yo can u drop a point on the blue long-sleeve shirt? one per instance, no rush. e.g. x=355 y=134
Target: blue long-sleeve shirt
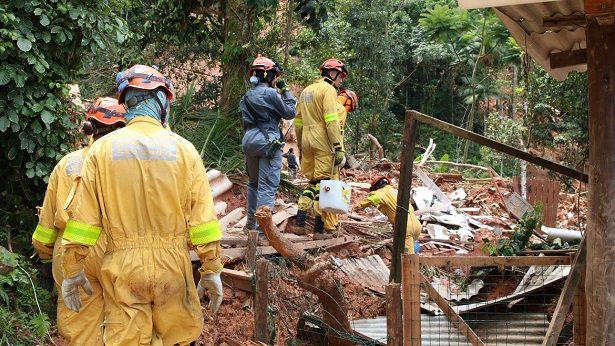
x=262 y=108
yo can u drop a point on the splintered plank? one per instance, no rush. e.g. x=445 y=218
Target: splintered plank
x=240 y=252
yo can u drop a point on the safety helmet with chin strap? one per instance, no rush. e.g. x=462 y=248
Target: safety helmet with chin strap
x=333 y=65
x=142 y=77
x=379 y=182
x=351 y=101
x=105 y=115
x=265 y=69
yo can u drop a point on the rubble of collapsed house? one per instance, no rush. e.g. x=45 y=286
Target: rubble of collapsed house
x=459 y=215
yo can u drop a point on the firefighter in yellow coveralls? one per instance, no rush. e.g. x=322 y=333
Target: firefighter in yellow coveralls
x=83 y=327
x=384 y=197
x=319 y=138
x=146 y=188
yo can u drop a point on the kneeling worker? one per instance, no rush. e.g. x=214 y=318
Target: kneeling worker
x=384 y=197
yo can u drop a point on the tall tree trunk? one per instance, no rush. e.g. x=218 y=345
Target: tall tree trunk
x=512 y=94
x=289 y=27
x=470 y=126
x=237 y=32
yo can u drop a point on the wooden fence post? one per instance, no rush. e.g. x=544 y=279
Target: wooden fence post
x=251 y=251
x=579 y=314
x=395 y=326
x=261 y=300
x=411 y=289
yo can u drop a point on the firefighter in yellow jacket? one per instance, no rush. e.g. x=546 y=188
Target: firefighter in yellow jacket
x=384 y=197
x=348 y=101
x=146 y=188
x=77 y=328
x=319 y=138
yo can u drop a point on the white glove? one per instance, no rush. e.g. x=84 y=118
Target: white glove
x=70 y=290
x=213 y=284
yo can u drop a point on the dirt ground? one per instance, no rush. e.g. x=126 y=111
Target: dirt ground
x=287 y=302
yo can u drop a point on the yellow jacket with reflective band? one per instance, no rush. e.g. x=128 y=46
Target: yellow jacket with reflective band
x=343 y=114
x=52 y=217
x=146 y=187
x=317 y=123
x=385 y=199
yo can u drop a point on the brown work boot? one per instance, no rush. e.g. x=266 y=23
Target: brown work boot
x=294 y=229
x=298 y=227
x=322 y=236
x=319 y=230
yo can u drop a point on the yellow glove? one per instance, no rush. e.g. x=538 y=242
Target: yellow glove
x=363 y=204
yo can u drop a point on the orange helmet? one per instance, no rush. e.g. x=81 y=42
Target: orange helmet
x=142 y=77
x=106 y=111
x=334 y=64
x=264 y=64
x=351 y=100
x=378 y=182
x=105 y=115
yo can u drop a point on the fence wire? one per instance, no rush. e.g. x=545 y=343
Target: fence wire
x=502 y=305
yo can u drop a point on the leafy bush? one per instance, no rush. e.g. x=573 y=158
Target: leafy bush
x=41 y=46
x=24 y=309
x=519 y=239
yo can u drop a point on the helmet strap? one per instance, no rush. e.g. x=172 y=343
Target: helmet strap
x=327 y=75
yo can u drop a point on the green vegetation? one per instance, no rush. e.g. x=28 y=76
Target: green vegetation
x=25 y=309
x=459 y=66
x=519 y=238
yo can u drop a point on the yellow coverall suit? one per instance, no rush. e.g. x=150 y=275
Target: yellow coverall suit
x=385 y=199
x=146 y=187
x=317 y=125
x=83 y=327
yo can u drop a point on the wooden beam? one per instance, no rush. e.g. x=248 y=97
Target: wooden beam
x=395 y=335
x=592 y=7
x=568 y=58
x=561 y=21
x=470 y=4
x=237 y=279
x=489 y=261
x=453 y=316
x=261 y=300
x=565 y=299
x=599 y=284
x=411 y=289
x=251 y=252
x=482 y=140
x=579 y=313
x=403 y=195
x=240 y=252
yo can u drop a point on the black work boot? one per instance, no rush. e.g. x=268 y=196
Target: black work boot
x=299 y=227
x=319 y=230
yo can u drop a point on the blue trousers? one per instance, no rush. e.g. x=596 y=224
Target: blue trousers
x=263 y=174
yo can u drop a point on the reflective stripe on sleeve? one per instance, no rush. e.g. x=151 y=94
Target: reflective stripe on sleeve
x=298 y=122
x=374 y=199
x=205 y=233
x=45 y=235
x=81 y=232
x=331 y=117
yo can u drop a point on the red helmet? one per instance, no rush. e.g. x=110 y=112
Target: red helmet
x=378 y=182
x=352 y=100
x=106 y=111
x=334 y=64
x=264 y=64
x=142 y=77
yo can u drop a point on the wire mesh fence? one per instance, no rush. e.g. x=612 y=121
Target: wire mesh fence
x=487 y=302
